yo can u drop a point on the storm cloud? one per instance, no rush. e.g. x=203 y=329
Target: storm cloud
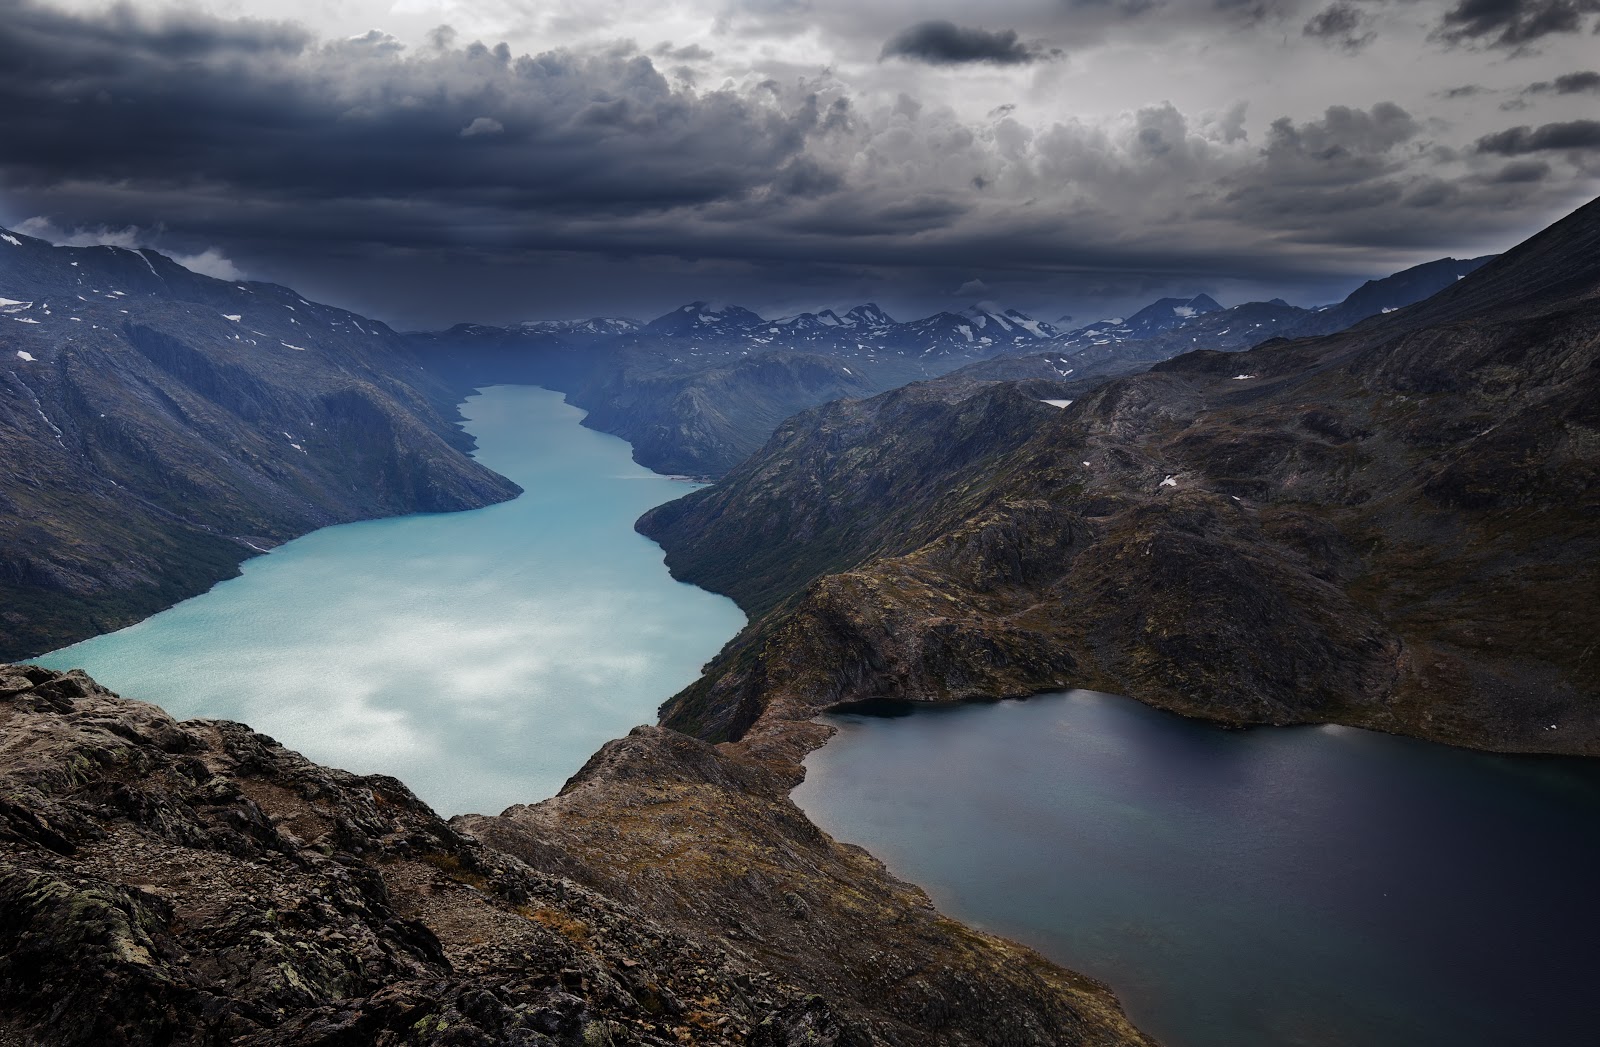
x=1572 y=134
x=437 y=178
x=1568 y=84
x=1513 y=23
x=945 y=43
x=1341 y=24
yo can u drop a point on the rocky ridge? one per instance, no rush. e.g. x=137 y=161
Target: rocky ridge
x=196 y=883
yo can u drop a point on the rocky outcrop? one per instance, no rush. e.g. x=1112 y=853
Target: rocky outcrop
x=842 y=483
x=159 y=426
x=196 y=883
x=706 y=839
x=1390 y=527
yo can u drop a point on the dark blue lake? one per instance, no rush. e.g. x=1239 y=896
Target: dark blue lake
x=1272 y=887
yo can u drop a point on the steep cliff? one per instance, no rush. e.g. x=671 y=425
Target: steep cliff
x=159 y=427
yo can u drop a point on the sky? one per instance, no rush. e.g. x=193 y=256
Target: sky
x=435 y=161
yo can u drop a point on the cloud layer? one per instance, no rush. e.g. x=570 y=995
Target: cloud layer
x=440 y=178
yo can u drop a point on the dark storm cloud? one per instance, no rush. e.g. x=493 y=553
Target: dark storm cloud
x=1340 y=24
x=262 y=108
x=1512 y=23
x=460 y=181
x=1573 y=134
x=1361 y=177
x=945 y=43
x=1569 y=84
x=1519 y=172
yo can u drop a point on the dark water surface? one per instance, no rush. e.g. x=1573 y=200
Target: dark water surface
x=1289 y=886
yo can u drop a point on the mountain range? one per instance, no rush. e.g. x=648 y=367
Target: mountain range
x=700 y=388
x=1391 y=527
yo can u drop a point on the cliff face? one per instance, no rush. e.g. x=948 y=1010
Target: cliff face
x=702 y=419
x=196 y=883
x=1390 y=527
x=158 y=426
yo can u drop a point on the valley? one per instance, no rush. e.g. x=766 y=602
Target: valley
x=799 y=523
x=1243 y=534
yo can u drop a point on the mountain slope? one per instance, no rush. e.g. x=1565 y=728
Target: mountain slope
x=1390 y=527
x=160 y=426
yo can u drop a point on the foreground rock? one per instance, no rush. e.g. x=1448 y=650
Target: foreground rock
x=706 y=839
x=196 y=883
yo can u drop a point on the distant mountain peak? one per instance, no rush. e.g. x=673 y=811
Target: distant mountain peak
x=869 y=315
x=594 y=325
x=704 y=318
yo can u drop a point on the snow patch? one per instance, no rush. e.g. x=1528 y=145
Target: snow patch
x=297 y=348
x=1057 y=403
x=11 y=305
x=235 y=317
x=1242 y=377
x=24 y=319
x=8 y=238
x=21 y=355
x=1168 y=482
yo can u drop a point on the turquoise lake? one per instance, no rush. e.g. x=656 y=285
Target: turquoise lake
x=480 y=657
x=1276 y=887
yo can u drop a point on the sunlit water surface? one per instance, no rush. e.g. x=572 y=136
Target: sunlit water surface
x=480 y=657
x=1264 y=888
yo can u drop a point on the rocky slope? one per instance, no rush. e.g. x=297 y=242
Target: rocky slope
x=703 y=420
x=159 y=426
x=1390 y=527
x=196 y=883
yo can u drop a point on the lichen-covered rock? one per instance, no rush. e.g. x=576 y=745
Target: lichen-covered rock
x=196 y=883
x=706 y=839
